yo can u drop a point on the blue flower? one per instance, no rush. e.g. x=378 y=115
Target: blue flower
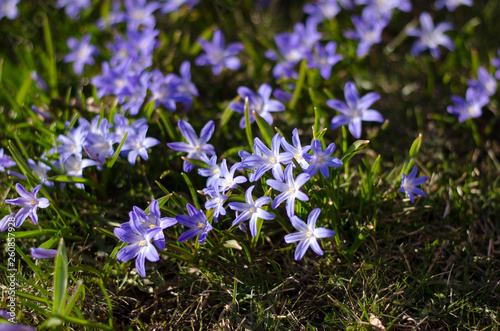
x=153 y=224
x=227 y=181
x=321 y=159
x=43 y=253
x=138 y=143
x=216 y=203
x=140 y=13
x=197 y=221
x=355 y=110
x=290 y=190
x=29 y=203
x=322 y=9
x=81 y=53
x=7 y=221
x=451 y=5
x=324 y=58
x=486 y=84
x=308 y=234
x=169 y=6
x=409 y=184
x=251 y=210
x=195 y=147
x=368 y=30
x=40 y=170
x=259 y=103
x=217 y=55
x=100 y=141
x=140 y=246
x=5 y=161
x=265 y=159
x=72 y=8
x=296 y=150
x=74 y=166
x=212 y=172
x=470 y=107
x=496 y=63
x=430 y=37
x=9 y=9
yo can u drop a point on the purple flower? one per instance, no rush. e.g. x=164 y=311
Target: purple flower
x=486 y=83
x=186 y=89
x=29 y=203
x=101 y=141
x=265 y=159
x=355 y=110
x=40 y=170
x=307 y=235
x=324 y=58
x=308 y=34
x=321 y=159
x=72 y=144
x=72 y=8
x=137 y=144
x=43 y=253
x=195 y=147
x=197 y=221
x=386 y=7
x=114 y=17
x=496 y=62
x=139 y=240
x=81 y=53
x=430 y=37
x=227 y=181
x=213 y=171
x=290 y=190
x=259 y=103
x=74 y=166
x=8 y=8
x=368 y=30
x=165 y=90
x=138 y=89
x=451 y=5
x=169 y=6
x=153 y=224
x=217 y=55
x=291 y=50
x=114 y=81
x=322 y=9
x=409 y=184
x=5 y=161
x=40 y=83
x=216 y=203
x=140 y=13
x=7 y=221
x=251 y=210
x=470 y=107
x=296 y=150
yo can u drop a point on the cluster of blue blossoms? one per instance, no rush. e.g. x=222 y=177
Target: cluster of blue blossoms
x=130 y=77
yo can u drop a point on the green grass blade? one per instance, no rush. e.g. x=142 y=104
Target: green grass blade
x=60 y=278
x=248 y=128
x=265 y=128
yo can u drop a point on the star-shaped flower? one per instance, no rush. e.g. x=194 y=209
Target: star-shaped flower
x=308 y=234
x=354 y=110
x=29 y=203
x=409 y=184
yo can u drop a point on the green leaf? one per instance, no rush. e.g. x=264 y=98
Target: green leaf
x=265 y=128
x=72 y=179
x=354 y=149
x=192 y=190
x=248 y=129
x=60 y=278
x=111 y=162
x=415 y=147
x=33 y=233
x=298 y=86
